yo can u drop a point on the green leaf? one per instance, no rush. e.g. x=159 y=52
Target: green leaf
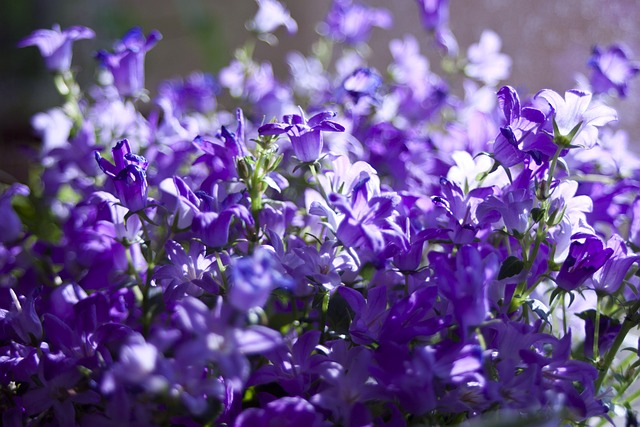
x=510 y=267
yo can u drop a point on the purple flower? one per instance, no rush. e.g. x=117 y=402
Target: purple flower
x=576 y=117
x=11 y=226
x=362 y=83
x=128 y=175
x=196 y=93
x=486 y=63
x=305 y=135
x=511 y=144
x=253 y=279
x=607 y=332
x=126 y=63
x=465 y=281
x=285 y=412
x=368 y=221
x=584 y=259
x=213 y=227
x=609 y=278
x=55 y=45
x=186 y=272
x=611 y=69
x=351 y=23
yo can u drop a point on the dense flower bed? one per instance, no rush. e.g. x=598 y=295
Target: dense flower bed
x=343 y=247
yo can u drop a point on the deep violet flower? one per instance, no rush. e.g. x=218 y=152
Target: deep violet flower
x=611 y=69
x=126 y=62
x=584 y=259
x=128 y=175
x=305 y=135
x=521 y=122
x=55 y=44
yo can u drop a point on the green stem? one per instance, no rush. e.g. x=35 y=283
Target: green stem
x=596 y=331
x=323 y=315
x=629 y=323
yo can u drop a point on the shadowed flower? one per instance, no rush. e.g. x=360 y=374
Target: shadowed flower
x=55 y=44
x=126 y=63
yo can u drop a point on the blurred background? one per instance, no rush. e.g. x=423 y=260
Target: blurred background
x=548 y=40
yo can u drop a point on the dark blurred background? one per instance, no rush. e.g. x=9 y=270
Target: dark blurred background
x=548 y=40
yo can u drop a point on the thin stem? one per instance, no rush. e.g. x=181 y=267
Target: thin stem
x=596 y=332
x=629 y=323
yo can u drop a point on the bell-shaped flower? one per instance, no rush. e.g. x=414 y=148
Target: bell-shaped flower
x=305 y=135
x=515 y=138
x=577 y=117
x=126 y=62
x=55 y=45
x=128 y=175
x=584 y=259
x=611 y=69
x=213 y=227
x=609 y=278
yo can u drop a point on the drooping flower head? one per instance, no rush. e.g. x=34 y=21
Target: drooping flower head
x=128 y=175
x=126 y=62
x=55 y=44
x=305 y=135
x=611 y=69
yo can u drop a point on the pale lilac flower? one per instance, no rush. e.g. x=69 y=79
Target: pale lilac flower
x=271 y=15
x=609 y=278
x=577 y=116
x=55 y=45
x=486 y=63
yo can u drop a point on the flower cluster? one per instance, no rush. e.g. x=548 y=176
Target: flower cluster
x=378 y=251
